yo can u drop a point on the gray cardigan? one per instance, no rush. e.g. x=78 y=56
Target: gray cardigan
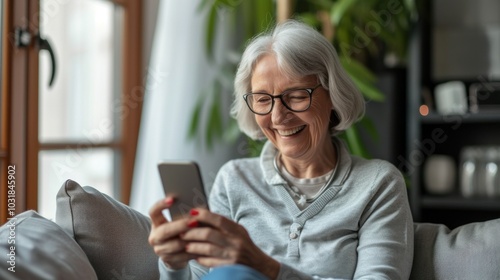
x=359 y=227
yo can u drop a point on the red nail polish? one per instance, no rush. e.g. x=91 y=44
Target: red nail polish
x=193 y=224
x=194 y=212
x=169 y=201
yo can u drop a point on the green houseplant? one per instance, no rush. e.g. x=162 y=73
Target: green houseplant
x=359 y=29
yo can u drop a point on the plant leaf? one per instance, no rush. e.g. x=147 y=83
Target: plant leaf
x=203 y=4
x=323 y=4
x=232 y=131
x=264 y=11
x=194 y=123
x=211 y=25
x=309 y=18
x=339 y=9
x=363 y=79
x=226 y=77
x=214 y=125
x=370 y=127
x=248 y=19
x=254 y=147
x=368 y=90
x=359 y=70
x=355 y=144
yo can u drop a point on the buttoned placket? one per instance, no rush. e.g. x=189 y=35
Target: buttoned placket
x=300 y=217
x=294 y=237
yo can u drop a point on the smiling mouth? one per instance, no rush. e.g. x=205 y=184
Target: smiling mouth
x=291 y=132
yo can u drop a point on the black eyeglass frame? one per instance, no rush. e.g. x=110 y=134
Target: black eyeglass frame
x=280 y=96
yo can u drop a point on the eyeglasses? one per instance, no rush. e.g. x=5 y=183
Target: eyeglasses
x=295 y=100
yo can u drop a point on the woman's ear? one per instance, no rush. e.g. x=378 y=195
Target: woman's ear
x=334 y=119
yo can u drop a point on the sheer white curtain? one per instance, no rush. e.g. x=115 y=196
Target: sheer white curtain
x=177 y=74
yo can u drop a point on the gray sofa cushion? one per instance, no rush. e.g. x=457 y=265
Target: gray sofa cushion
x=113 y=235
x=471 y=251
x=42 y=251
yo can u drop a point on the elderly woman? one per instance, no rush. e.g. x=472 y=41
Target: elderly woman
x=306 y=208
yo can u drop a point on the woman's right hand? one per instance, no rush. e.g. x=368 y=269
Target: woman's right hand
x=165 y=236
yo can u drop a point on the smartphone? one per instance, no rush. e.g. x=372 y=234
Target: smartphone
x=183 y=181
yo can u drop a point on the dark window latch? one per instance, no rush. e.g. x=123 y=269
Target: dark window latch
x=22 y=39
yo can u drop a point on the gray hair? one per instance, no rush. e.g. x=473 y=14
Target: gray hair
x=300 y=51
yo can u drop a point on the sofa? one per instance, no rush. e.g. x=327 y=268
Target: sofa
x=96 y=237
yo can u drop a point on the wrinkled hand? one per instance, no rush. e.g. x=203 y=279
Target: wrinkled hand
x=224 y=242
x=165 y=236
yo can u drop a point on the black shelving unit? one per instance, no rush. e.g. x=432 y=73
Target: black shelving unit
x=452 y=202
x=478 y=118
x=459 y=131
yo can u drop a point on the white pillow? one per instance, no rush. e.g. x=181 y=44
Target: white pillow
x=42 y=251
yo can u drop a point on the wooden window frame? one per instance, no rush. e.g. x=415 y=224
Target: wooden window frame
x=19 y=144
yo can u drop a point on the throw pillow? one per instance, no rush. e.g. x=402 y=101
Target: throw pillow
x=113 y=235
x=34 y=247
x=470 y=251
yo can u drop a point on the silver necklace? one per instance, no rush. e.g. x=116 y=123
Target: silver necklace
x=302 y=198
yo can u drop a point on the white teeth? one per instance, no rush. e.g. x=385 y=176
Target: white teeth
x=290 y=131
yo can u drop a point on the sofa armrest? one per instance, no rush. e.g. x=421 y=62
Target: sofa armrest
x=33 y=247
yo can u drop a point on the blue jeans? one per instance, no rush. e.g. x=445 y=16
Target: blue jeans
x=234 y=272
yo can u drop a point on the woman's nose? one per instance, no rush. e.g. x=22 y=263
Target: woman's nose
x=279 y=112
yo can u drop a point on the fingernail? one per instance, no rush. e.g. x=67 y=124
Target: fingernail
x=186 y=247
x=169 y=201
x=194 y=212
x=193 y=224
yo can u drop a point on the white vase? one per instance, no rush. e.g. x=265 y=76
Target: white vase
x=439 y=174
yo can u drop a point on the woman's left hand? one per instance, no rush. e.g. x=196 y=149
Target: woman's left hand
x=220 y=241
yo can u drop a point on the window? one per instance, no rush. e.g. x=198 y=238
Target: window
x=84 y=127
